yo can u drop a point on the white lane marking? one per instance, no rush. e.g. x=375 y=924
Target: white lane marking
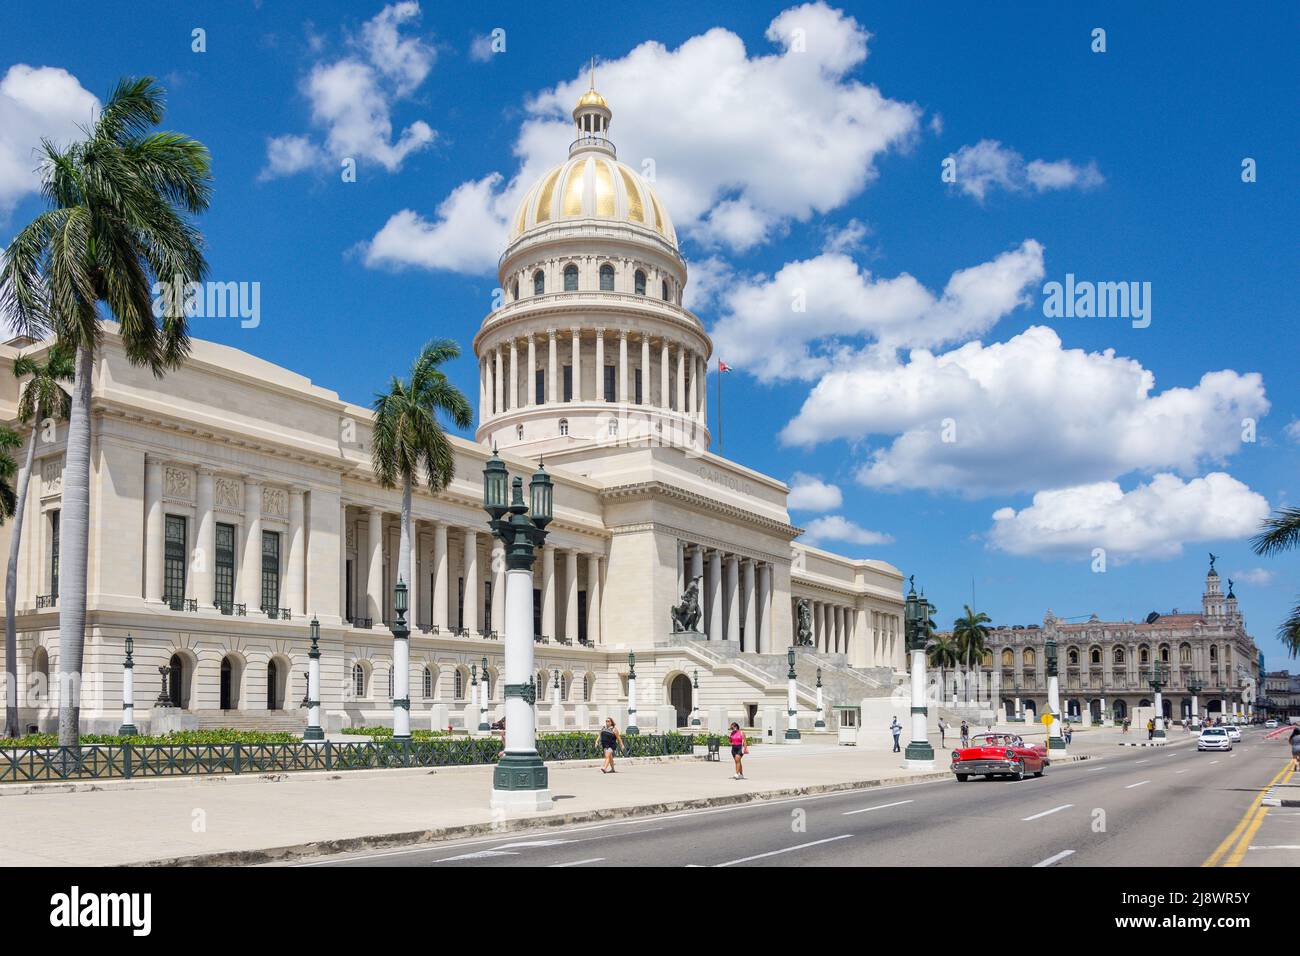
x=1053 y=860
x=594 y=859
x=1064 y=806
x=476 y=855
x=880 y=806
x=1281 y=847
x=1143 y=760
x=790 y=849
x=1213 y=762
x=1180 y=771
x=1096 y=768
x=1230 y=756
x=532 y=843
x=1138 y=784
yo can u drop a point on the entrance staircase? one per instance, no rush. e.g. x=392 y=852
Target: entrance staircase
x=264 y=721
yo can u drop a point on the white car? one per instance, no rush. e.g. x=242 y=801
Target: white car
x=1214 y=738
x=1270 y=723
x=1234 y=732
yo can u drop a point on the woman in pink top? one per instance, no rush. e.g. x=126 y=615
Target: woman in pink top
x=738 y=749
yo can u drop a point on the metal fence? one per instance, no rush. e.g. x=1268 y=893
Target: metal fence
x=133 y=761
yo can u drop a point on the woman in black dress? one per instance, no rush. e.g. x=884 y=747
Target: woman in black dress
x=609 y=740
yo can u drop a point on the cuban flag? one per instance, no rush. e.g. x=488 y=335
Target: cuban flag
x=723 y=366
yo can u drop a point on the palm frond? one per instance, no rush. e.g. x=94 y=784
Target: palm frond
x=1279 y=532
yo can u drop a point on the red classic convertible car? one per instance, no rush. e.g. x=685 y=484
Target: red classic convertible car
x=999 y=755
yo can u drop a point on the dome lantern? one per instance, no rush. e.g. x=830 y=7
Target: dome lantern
x=591 y=115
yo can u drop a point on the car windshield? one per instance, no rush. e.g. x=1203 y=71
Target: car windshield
x=1213 y=732
x=996 y=740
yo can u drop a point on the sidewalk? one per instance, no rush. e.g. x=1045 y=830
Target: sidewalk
x=255 y=820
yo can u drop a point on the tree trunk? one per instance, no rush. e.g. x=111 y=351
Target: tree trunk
x=11 y=587
x=404 y=542
x=74 y=534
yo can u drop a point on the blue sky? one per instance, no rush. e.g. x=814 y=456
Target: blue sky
x=1115 y=166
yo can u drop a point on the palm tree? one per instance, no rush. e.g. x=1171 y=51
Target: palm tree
x=971 y=632
x=117 y=220
x=41 y=397
x=1281 y=532
x=943 y=652
x=408 y=438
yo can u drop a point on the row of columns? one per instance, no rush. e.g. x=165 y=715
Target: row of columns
x=735 y=595
x=431 y=559
x=201 y=548
x=833 y=626
x=681 y=373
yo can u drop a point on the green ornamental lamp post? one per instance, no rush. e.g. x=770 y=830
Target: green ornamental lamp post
x=1158 y=678
x=917 y=612
x=401 y=665
x=821 y=720
x=471 y=718
x=695 y=698
x=631 y=729
x=520 y=780
x=485 y=691
x=313 y=731
x=1055 y=742
x=128 y=692
x=1194 y=686
x=791 y=710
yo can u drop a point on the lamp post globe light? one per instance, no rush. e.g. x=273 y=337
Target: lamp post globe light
x=520 y=780
x=128 y=692
x=632 y=729
x=1159 y=679
x=401 y=666
x=485 y=690
x=313 y=731
x=695 y=698
x=1055 y=742
x=1194 y=686
x=791 y=711
x=917 y=613
x=821 y=720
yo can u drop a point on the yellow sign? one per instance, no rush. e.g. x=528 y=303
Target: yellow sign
x=1047 y=718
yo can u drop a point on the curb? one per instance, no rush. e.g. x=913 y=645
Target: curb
x=378 y=841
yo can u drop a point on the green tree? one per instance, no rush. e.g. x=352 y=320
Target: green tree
x=409 y=441
x=1281 y=532
x=42 y=397
x=971 y=632
x=117 y=221
x=942 y=652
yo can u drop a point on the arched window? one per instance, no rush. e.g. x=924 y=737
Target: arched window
x=519 y=431
x=665 y=289
x=564 y=426
x=1008 y=658
x=606 y=278
x=1094 y=656
x=1184 y=653
x=613 y=426
x=459 y=690
x=1214 y=654
x=1144 y=654
x=586 y=687
x=514 y=290
x=1072 y=657
x=1119 y=655
x=358 y=681
x=639 y=280
x=565 y=681
x=543 y=685
x=428 y=684
x=486 y=681
x=1164 y=653
x=570 y=278
x=1029 y=657
x=539 y=282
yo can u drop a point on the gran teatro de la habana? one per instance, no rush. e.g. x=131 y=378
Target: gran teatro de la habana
x=233 y=501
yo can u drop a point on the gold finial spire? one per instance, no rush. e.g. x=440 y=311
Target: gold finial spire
x=593 y=73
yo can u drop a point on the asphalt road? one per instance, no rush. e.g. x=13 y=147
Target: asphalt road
x=1167 y=806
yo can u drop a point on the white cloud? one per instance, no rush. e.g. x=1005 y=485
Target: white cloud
x=1153 y=520
x=480 y=49
x=1022 y=415
x=1292 y=430
x=839 y=528
x=708 y=278
x=1257 y=577
x=988 y=165
x=35 y=103
x=457 y=239
x=352 y=100
x=846 y=239
x=800 y=322
x=740 y=144
x=810 y=493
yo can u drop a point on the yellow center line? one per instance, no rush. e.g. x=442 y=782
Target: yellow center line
x=1246 y=821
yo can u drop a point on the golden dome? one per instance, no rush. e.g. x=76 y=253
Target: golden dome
x=591 y=98
x=591 y=185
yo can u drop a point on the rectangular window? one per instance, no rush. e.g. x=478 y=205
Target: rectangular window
x=174 y=562
x=637 y=377
x=582 y=617
x=224 y=591
x=460 y=602
x=348 y=599
x=270 y=571
x=537 y=611
x=54 y=553
x=487 y=607
x=609 y=383
x=568 y=383
x=539 y=386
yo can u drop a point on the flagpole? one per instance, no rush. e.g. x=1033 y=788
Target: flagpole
x=719 y=373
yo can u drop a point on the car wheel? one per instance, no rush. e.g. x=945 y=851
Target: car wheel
x=961 y=777
x=1038 y=772
x=1019 y=772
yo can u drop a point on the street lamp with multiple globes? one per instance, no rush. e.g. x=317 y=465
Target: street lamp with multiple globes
x=1194 y=686
x=520 y=780
x=401 y=665
x=1158 y=678
x=128 y=728
x=1055 y=742
x=791 y=708
x=918 y=614
x=631 y=729
x=314 y=731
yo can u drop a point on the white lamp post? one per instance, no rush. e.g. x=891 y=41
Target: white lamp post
x=520 y=781
x=128 y=692
x=631 y=728
x=485 y=691
x=821 y=720
x=791 y=711
x=695 y=698
x=401 y=666
x=557 y=706
x=313 y=731
x=917 y=614
x=470 y=718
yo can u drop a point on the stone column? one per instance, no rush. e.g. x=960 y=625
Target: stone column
x=548 y=592
x=512 y=400
x=250 y=582
x=693 y=399
x=764 y=643
x=375 y=566
x=702 y=412
x=571 y=595
x=622 y=365
x=153 y=530
x=413 y=588
x=681 y=378
x=295 y=577
x=343 y=562
x=530 y=389
x=681 y=567
x=482 y=388
x=593 y=598
x=664 y=400
x=751 y=611
x=499 y=391
x=575 y=360
x=732 y=632
x=203 y=568
x=600 y=365
x=715 y=596
x=439 y=602
x=838 y=611
x=471 y=580
x=498 y=558
x=553 y=370
x=645 y=369
x=697 y=567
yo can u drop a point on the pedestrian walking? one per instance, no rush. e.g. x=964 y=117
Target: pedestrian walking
x=943 y=729
x=1151 y=729
x=1295 y=749
x=610 y=739
x=738 y=750
x=895 y=728
x=965 y=734
x=1068 y=733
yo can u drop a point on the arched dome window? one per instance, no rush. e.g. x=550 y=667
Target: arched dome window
x=358 y=680
x=606 y=278
x=1119 y=655
x=640 y=282
x=570 y=278
x=665 y=290
x=564 y=426
x=514 y=290
x=539 y=282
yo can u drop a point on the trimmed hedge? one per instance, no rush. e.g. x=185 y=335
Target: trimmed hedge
x=176 y=737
